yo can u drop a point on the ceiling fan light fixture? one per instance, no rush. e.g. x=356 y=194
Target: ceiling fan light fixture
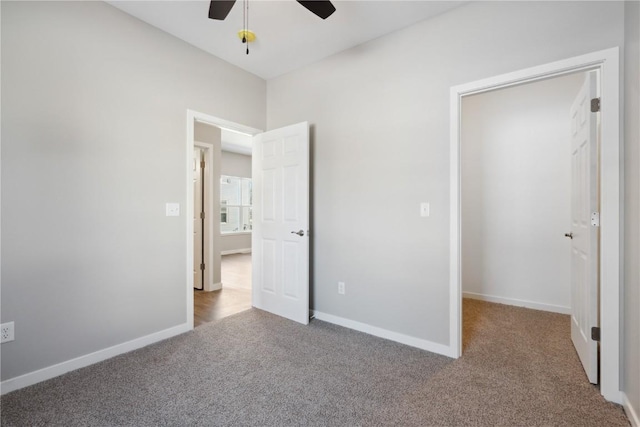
x=246 y=36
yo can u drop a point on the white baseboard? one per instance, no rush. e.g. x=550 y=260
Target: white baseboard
x=213 y=287
x=236 y=251
x=519 y=303
x=386 y=334
x=631 y=412
x=88 y=359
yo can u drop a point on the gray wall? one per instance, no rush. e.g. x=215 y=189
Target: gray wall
x=93 y=145
x=631 y=293
x=234 y=164
x=516 y=191
x=380 y=118
x=235 y=243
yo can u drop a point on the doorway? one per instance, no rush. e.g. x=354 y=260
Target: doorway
x=280 y=235
x=205 y=132
x=524 y=210
x=606 y=62
x=516 y=194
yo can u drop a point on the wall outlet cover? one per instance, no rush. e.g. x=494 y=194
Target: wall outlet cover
x=341 y=288
x=7 y=332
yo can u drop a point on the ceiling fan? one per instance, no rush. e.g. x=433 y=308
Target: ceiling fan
x=219 y=9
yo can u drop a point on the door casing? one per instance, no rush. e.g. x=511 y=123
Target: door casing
x=607 y=62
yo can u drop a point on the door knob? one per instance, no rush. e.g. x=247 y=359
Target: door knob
x=569 y=235
x=299 y=233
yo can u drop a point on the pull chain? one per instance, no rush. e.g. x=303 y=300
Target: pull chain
x=247 y=36
x=247 y=26
x=244 y=21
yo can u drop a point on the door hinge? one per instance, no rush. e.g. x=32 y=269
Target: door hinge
x=595 y=219
x=201 y=215
x=202 y=267
x=595 y=105
x=595 y=333
x=202 y=164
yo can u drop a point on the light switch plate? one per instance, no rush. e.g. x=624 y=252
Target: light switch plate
x=173 y=209
x=424 y=209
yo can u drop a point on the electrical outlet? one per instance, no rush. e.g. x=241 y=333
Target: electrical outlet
x=341 y=288
x=6 y=332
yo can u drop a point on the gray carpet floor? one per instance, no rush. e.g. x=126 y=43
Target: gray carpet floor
x=256 y=369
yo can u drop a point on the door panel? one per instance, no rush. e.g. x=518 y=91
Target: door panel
x=290 y=263
x=281 y=210
x=584 y=243
x=268 y=258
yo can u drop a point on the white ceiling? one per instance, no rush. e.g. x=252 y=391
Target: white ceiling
x=288 y=35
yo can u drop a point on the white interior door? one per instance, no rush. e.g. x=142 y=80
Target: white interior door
x=197 y=221
x=280 y=236
x=584 y=235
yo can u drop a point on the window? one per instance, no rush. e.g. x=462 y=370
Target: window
x=235 y=204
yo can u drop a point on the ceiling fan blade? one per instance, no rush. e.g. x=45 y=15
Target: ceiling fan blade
x=219 y=9
x=323 y=9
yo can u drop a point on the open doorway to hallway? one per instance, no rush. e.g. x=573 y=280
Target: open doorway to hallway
x=222 y=218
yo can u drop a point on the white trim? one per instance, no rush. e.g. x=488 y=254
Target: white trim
x=236 y=251
x=224 y=124
x=608 y=62
x=630 y=411
x=386 y=334
x=610 y=238
x=89 y=359
x=455 y=273
x=189 y=215
x=518 y=303
x=192 y=117
x=210 y=287
x=236 y=233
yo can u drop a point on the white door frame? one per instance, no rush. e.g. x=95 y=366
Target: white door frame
x=192 y=117
x=607 y=61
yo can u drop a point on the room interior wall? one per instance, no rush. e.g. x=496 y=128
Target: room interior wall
x=94 y=107
x=631 y=292
x=516 y=193
x=380 y=119
x=235 y=164
x=236 y=243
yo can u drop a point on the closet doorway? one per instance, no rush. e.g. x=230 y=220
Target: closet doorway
x=607 y=220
